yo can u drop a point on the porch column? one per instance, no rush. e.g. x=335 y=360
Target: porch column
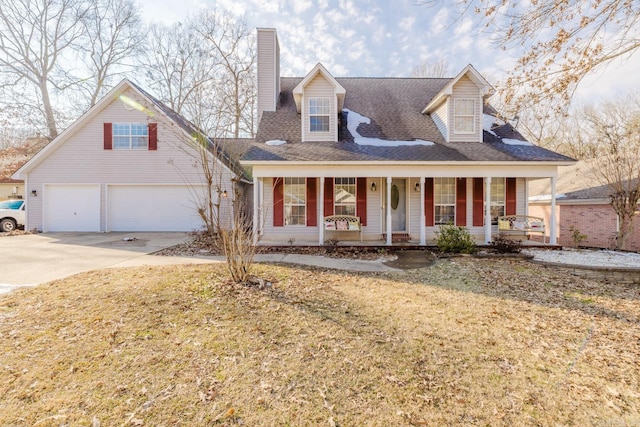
x=553 y=238
x=256 y=209
x=321 y=213
x=487 y=210
x=389 y=211
x=423 y=227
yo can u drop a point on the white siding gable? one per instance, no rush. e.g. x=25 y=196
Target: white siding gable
x=441 y=118
x=465 y=89
x=80 y=158
x=320 y=87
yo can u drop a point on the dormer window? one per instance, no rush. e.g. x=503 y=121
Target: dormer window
x=464 y=116
x=319 y=114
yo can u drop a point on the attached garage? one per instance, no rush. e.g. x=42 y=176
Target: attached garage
x=71 y=207
x=153 y=208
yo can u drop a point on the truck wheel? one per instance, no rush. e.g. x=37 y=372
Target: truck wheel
x=7 y=225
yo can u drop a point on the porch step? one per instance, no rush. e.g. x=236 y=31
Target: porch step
x=397 y=237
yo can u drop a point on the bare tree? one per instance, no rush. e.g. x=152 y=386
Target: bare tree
x=438 y=68
x=113 y=34
x=233 y=49
x=51 y=48
x=615 y=142
x=179 y=68
x=562 y=41
x=33 y=37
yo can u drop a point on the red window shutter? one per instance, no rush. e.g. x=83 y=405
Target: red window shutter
x=312 y=202
x=429 y=211
x=461 y=201
x=108 y=136
x=510 y=197
x=478 y=202
x=153 y=136
x=328 y=196
x=278 y=202
x=361 y=200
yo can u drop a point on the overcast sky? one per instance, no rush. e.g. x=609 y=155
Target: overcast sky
x=386 y=38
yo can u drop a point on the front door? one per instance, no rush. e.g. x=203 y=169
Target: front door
x=398 y=206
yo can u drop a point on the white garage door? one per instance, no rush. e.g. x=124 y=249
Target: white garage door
x=72 y=207
x=152 y=208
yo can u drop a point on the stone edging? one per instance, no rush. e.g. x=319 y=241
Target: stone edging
x=608 y=274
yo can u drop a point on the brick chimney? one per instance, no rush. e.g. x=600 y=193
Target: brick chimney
x=268 y=70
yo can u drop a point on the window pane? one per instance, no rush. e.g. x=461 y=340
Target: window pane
x=121 y=142
x=319 y=123
x=444 y=200
x=463 y=124
x=445 y=214
x=138 y=142
x=464 y=107
x=464 y=115
x=498 y=198
x=121 y=129
x=319 y=106
x=344 y=196
x=295 y=193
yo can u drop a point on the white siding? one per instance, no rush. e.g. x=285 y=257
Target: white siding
x=320 y=87
x=268 y=70
x=521 y=198
x=413 y=210
x=441 y=119
x=465 y=89
x=81 y=158
x=373 y=229
x=282 y=235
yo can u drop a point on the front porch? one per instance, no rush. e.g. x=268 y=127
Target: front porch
x=302 y=210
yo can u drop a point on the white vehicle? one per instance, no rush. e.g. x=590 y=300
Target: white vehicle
x=11 y=215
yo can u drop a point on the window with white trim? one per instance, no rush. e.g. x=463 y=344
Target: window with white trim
x=464 y=116
x=295 y=201
x=319 y=114
x=444 y=197
x=344 y=196
x=498 y=198
x=130 y=136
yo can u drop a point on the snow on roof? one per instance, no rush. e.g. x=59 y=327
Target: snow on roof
x=275 y=142
x=354 y=120
x=489 y=122
x=511 y=141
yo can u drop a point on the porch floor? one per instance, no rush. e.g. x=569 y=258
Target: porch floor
x=412 y=244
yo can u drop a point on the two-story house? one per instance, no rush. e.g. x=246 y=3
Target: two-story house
x=403 y=155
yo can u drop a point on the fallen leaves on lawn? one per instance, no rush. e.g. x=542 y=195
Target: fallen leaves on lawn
x=463 y=342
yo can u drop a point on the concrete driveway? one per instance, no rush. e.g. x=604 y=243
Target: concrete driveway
x=32 y=259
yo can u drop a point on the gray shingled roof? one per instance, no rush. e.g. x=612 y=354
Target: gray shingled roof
x=228 y=150
x=394 y=106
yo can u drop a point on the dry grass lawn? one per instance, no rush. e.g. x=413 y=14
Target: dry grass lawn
x=465 y=342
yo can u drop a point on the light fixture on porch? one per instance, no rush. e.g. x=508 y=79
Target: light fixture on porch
x=224 y=194
x=373 y=186
x=34 y=193
x=416 y=187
